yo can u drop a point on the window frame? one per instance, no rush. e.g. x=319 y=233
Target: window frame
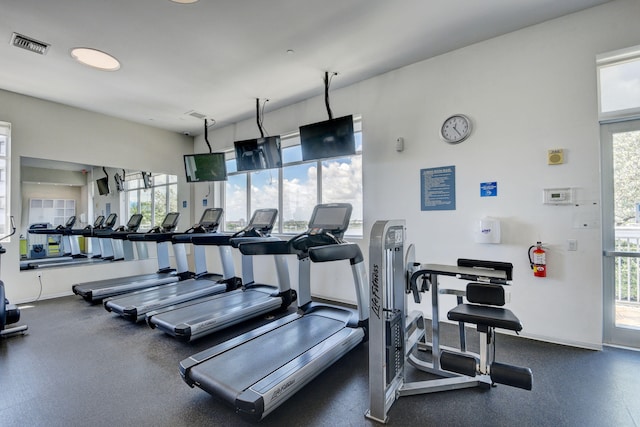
x=135 y=184
x=5 y=208
x=612 y=59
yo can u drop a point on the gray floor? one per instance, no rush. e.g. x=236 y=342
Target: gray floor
x=82 y=366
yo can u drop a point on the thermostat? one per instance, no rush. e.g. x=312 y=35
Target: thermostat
x=557 y=196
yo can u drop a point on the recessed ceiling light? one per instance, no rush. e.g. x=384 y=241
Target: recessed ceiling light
x=184 y=1
x=95 y=58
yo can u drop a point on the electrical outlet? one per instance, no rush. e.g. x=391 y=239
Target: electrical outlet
x=572 y=244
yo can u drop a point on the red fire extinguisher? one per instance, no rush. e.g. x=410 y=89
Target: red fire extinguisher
x=538 y=260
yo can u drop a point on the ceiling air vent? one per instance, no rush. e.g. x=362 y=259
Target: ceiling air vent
x=195 y=114
x=27 y=43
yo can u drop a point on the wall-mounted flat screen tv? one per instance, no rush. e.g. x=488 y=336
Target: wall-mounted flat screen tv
x=103 y=186
x=331 y=138
x=119 y=182
x=205 y=167
x=260 y=153
x=146 y=179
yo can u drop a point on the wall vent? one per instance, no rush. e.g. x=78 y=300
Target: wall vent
x=27 y=43
x=197 y=115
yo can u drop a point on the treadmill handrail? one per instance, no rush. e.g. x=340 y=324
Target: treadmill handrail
x=267 y=248
x=298 y=245
x=158 y=237
x=213 y=239
x=188 y=237
x=237 y=241
x=340 y=251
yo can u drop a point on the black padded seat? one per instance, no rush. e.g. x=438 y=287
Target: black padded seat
x=494 y=317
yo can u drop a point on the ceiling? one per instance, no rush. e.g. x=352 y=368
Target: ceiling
x=215 y=57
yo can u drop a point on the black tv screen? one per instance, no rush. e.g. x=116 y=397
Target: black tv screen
x=205 y=167
x=119 y=182
x=146 y=179
x=331 y=138
x=260 y=153
x=103 y=186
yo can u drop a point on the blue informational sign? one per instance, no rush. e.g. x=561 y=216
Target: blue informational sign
x=204 y=202
x=438 y=189
x=488 y=189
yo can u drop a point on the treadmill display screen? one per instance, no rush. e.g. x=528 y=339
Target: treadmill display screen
x=111 y=220
x=134 y=221
x=170 y=221
x=333 y=216
x=210 y=217
x=98 y=222
x=70 y=221
x=264 y=218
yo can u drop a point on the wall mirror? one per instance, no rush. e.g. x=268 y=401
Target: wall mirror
x=53 y=192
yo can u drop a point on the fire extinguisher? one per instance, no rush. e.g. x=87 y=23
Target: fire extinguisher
x=538 y=260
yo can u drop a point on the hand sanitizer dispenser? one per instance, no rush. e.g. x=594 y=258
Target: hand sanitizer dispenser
x=488 y=230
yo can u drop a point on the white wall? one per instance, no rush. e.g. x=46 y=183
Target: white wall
x=48 y=130
x=527 y=92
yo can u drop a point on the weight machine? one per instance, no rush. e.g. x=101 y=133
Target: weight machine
x=395 y=337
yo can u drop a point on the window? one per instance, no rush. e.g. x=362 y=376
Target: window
x=154 y=202
x=619 y=84
x=296 y=187
x=5 y=137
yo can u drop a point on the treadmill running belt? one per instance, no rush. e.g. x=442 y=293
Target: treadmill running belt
x=220 y=307
x=232 y=372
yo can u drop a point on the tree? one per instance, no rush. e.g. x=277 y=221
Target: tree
x=626 y=173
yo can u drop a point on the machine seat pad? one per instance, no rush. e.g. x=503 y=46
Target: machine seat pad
x=495 y=317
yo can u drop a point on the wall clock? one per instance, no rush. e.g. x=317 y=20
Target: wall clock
x=456 y=129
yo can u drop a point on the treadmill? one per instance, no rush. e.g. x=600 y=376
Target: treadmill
x=136 y=305
x=258 y=371
x=98 y=290
x=203 y=316
x=112 y=242
x=123 y=247
x=88 y=231
x=70 y=246
x=105 y=244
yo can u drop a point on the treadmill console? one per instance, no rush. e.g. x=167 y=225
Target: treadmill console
x=330 y=218
x=209 y=221
x=327 y=226
x=134 y=222
x=170 y=221
x=110 y=221
x=97 y=223
x=168 y=224
x=261 y=223
x=69 y=224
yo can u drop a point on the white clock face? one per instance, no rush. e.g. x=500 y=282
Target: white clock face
x=456 y=129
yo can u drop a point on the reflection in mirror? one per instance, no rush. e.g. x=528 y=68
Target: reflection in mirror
x=53 y=192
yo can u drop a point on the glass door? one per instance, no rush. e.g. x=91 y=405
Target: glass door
x=621 y=232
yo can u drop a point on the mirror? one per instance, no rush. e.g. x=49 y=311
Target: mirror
x=55 y=191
